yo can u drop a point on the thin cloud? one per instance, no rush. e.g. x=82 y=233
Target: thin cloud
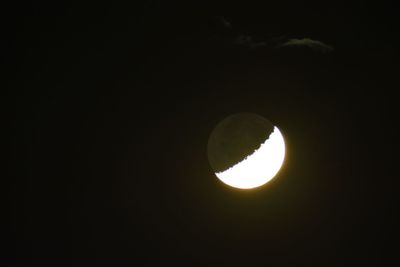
x=253 y=42
x=307 y=42
x=225 y=22
x=247 y=40
x=239 y=38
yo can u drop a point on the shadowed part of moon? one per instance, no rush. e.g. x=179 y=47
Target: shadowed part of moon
x=236 y=137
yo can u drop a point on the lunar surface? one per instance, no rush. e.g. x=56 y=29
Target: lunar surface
x=245 y=150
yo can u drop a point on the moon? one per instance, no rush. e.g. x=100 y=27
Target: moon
x=246 y=150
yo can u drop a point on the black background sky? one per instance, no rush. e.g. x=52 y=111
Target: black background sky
x=111 y=105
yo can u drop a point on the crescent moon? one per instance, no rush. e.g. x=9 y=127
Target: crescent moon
x=259 y=167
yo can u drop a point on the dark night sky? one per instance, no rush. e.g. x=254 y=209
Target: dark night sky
x=110 y=109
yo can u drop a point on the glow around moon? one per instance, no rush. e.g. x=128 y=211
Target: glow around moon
x=259 y=167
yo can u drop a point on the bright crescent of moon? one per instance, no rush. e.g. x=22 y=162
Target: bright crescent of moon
x=259 y=167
